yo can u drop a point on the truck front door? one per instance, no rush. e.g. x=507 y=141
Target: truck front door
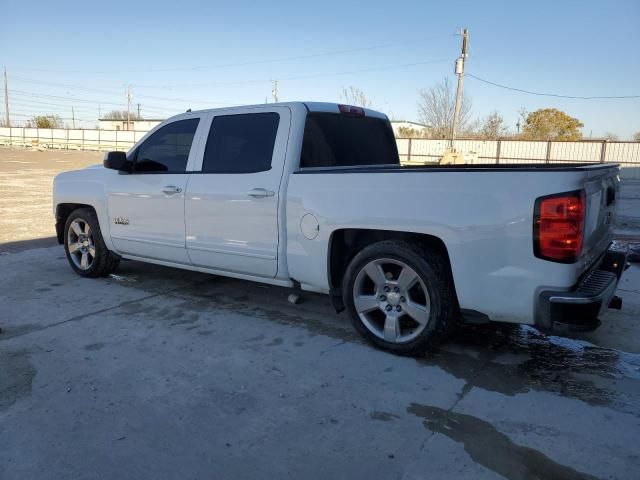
x=146 y=206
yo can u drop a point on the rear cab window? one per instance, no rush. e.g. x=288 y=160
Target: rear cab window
x=346 y=140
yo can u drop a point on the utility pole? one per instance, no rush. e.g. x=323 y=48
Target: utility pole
x=6 y=98
x=128 y=106
x=73 y=118
x=274 y=91
x=138 y=112
x=460 y=73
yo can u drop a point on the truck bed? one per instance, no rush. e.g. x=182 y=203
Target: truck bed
x=480 y=167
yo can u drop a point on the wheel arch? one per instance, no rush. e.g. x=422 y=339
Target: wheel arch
x=344 y=244
x=63 y=210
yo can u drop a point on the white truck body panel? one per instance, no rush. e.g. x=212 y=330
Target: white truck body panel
x=485 y=225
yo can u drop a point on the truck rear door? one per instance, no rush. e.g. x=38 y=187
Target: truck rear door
x=231 y=207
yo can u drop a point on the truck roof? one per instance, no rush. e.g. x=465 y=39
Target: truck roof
x=310 y=106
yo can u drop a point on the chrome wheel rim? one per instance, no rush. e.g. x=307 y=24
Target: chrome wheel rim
x=82 y=249
x=391 y=300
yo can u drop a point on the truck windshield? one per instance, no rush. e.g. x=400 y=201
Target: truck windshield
x=339 y=140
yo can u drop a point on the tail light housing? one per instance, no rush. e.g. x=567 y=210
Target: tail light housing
x=351 y=110
x=558 y=227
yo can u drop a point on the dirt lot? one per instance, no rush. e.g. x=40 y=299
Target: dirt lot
x=26 y=179
x=159 y=373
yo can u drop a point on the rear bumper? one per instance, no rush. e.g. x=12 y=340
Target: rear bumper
x=579 y=308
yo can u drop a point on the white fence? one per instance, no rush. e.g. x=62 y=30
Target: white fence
x=521 y=151
x=412 y=151
x=58 y=138
x=423 y=151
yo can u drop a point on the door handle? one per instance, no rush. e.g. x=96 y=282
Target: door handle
x=171 y=189
x=260 y=193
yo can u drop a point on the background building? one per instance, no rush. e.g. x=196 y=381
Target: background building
x=138 y=125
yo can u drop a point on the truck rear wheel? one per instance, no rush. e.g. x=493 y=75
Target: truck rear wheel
x=86 y=252
x=399 y=296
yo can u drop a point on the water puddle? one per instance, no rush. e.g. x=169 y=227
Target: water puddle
x=491 y=448
x=514 y=360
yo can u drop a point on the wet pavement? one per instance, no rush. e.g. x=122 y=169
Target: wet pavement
x=160 y=373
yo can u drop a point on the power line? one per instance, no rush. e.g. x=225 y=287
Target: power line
x=244 y=82
x=28 y=115
x=110 y=90
x=319 y=75
x=556 y=95
x=29 y=95
x=246 y=63
x=297 y=77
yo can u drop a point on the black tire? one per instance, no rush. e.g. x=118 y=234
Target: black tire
x=432 y=270
x=104 y=262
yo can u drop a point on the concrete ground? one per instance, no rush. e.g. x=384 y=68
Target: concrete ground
x=160 y=373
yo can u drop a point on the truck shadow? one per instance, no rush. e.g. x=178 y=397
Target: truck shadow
x=500 y=358
x=29 y=244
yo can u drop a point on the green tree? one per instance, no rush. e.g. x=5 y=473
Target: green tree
x=551 y=124
x=47 y=121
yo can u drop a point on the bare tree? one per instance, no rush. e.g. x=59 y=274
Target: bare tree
x=612 y=137
x=492 y=127
x=636 y=137
x=436 y=108
x=355 y=96
x=120 y=115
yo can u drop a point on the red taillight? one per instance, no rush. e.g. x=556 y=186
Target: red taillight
x=350 y=109
x=558 y=227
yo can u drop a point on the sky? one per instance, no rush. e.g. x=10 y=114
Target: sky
x=184 y=54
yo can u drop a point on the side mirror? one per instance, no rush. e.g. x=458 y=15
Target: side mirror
x=117 y=161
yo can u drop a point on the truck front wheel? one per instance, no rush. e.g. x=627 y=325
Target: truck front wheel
x=84 y=246
x=399 y=296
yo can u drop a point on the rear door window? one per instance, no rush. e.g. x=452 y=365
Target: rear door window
x=340 y=140
x=241 y=143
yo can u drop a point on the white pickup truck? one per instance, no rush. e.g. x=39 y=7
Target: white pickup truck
x=313 y=196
